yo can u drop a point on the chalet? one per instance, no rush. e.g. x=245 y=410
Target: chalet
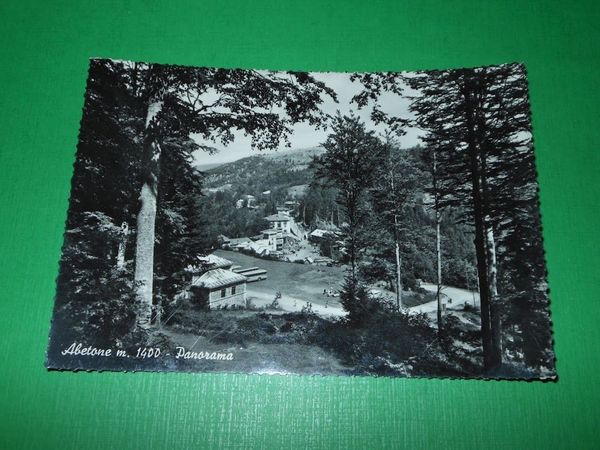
x=291 y=205
x=219 y=288
x=260 y=247
x=246 y=201
x=205 y=263
x=224 y=241
x=237 y=243
x=250 y=201
x=215 y=284
x=282 y=229
x=280 y=221
x=329 y=242
x=318 y=235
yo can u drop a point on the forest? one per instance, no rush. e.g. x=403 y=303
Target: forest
x=459 y=209
x=318 y=208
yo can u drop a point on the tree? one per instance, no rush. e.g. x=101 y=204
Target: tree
x=211 y=103
x=94 y=286
x=438 y=237
x=395 y=186
x=180 y=232
x=350 y=164
x=481 y=118
x=478 y=122
x=431 y=160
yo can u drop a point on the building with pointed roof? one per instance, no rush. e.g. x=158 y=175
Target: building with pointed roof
x=280 y=221
x=215 y=286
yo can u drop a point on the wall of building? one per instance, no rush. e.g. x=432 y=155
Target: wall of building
x=281 y=226
x=237 y=299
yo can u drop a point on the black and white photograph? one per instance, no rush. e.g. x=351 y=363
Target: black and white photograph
x=319 y=223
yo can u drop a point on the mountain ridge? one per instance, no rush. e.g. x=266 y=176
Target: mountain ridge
x=300 y=155
x=261 y=172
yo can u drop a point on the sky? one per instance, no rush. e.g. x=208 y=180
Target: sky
x=305 y=136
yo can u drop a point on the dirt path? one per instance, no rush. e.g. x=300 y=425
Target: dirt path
x=330 y=308
x=300 y=284
x=453 y=298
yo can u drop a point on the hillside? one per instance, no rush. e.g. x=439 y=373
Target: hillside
x=268 y=171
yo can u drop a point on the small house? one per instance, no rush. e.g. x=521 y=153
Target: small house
x=224 y=241
x=260 y=247
x=318 y=235
x=246 y=201
x=250 y=201
x=291 y=205
x=237 y=243
x=220 y=288
x=329 y=243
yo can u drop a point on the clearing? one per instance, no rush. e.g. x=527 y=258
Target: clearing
x=298 y=284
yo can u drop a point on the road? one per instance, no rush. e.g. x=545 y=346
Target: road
x=454 y=299
x=302 y=283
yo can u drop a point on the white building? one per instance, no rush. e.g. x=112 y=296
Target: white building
x=281 y=221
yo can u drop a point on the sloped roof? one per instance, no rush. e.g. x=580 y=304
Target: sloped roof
x=260 y=247
x=214 y=262
x=318 y=233
x=235 y=241
x=217 y=278
x=271 y=231
x=279 y=217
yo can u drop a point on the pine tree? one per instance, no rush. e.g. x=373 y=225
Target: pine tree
x=350 y=163
x=396 y=185
x=478 y=122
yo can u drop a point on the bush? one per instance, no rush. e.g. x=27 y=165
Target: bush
x=355 y=299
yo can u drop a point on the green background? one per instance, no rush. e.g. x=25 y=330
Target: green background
x=44 y=47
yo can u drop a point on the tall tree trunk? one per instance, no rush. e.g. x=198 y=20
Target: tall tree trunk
x=398 y=267
x=438 y=244
x=351 y=207
x=438 y=253
x=122 y=246
x=397 y=245
x=491 y=354
x=146 y=219
x=492 y=264
x=490 y=360
x=495 y=319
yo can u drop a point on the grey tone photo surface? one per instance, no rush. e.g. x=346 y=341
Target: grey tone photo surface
x=229 y=220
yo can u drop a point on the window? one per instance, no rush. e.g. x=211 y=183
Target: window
x=223 y=292
x=232 y=290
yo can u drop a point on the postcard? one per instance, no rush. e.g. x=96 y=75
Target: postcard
x=270 y=222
